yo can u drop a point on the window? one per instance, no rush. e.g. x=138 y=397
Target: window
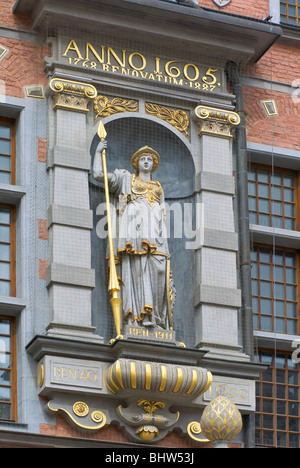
x=7 y=251
x=289 y=12
x=7 y=151
x=7 y=369
x=272 y=196
x=277 y=407
x=274 y=289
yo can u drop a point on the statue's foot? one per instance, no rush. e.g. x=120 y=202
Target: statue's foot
x=148 y=324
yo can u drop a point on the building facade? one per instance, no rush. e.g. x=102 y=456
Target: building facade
x=213 y=87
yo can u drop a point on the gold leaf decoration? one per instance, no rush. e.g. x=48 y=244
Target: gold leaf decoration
x=175 y=117
x=103 y=106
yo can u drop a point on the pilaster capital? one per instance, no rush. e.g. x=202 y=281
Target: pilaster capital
x=72 y=95
x=215 y=121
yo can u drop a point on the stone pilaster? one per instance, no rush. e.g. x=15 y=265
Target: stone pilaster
x=70 y=278
x=217 y=297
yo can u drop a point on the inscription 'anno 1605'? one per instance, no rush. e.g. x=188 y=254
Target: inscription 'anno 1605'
x=136 y=65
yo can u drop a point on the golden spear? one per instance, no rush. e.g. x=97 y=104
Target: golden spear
x=113 y=286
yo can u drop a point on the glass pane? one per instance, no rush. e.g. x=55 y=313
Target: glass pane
x=288 y=195
x=277 y=208
x=278 y=257
x=255 y=304
x=278 y=273
x=5 y=131
x=263 y=190
x=291 y=293
x=294 y=409
x=280 y=391
x=294 y=425
x=4 y=215
x=289 y=224
x=279 y=325
x=280 y=376
x=4 y=233
x=293 y=393
x=268 y=438
x=291 y=309
x=268 y=422
x=251 y=188
x=4 y=288
x=5 y=178
x=276 y=193
x=263 y=206
x=254 y=286
x=4 y=270
x=264 y=220
x=281 y=407
x=267 y=390
x=276 y=178
x=277 y=222
x=5 y=412
x=290 y=259
x=252 y=204
x=263 y=176
x=278 y=291
x=266 y=323
x=5 y=163
x=265 y=255
x=290 y=275
x=4 y=327
x=4 y=252
x=252 y=218
x=4 y=147
x=293 y=378
x=279 y=308
x=255 y=322
x=268 y=406
x=291 y=327
x=265 y=271
x=294 y=440
x=265 y=289
x=4 y=358
x=281 y=423
x=4 y=394
x=4 y=377
x=266 y=306
x=281 y=439
x=288 y=180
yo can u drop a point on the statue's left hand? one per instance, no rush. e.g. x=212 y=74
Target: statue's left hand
x=102 y=145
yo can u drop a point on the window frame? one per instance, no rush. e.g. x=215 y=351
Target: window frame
x=12 y=368
x=12 y=123
x=273 y=315
x=286 y=15
x=275 y=398
x=296 y=202
x=13 y=253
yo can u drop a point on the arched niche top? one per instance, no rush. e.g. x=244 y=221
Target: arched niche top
x=127 y=133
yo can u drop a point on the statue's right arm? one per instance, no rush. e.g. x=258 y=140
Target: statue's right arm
x=97 y=166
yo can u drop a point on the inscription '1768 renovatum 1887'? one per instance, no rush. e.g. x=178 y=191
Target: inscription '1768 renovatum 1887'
x=136 y=65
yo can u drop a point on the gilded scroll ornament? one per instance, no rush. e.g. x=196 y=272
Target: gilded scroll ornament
x=194 y=430
x=214 y=121
x=103 y=106
x=79 y=415
x=175 y=117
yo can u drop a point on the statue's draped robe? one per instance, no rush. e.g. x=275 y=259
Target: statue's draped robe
x=141 y=248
